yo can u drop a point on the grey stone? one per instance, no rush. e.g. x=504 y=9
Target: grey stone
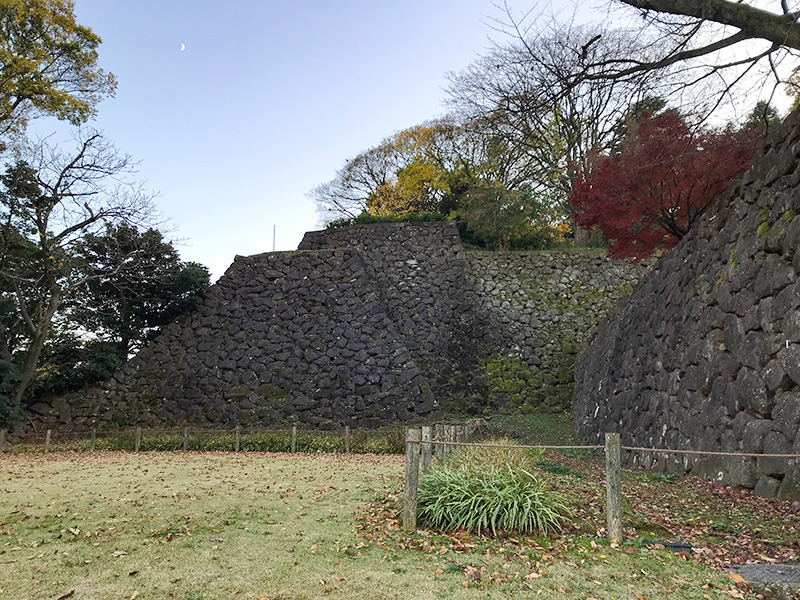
x=767 y=486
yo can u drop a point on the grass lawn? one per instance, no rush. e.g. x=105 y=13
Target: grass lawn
x=194 y=526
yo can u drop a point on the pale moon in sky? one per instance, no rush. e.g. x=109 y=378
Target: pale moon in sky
x=183 y=47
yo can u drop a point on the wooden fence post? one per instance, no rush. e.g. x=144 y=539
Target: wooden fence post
x=613 y=488
x=461 y=433
x=47 y=441
x=185 y=439
x=138 y=443
x=426 y=448
x=412 y=479
x=439 y=448
x=93 y=439
x=450 y=434
x=3 y=433
x=347 y=439
x=294 y=438
x=237 y=443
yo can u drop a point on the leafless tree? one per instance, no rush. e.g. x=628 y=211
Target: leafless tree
x=714 y=52
x=532 y=92
x=52 y=199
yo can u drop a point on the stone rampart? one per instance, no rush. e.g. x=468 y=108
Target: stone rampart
x=705 y=353
x=364 y=326
x=545 y=306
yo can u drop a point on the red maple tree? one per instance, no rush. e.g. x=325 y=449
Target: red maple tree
x=650 y=193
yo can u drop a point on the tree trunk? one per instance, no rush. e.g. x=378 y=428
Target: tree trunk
x=34 y=352
x=583 y=237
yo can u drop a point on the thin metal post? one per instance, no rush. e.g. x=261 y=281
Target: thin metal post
x=185 y=439
x=294 y=438
x=347 y=439
x=93 y=439
x=47 y=441
x=237 y=443
x=412 y=479
x=613 y=488
x=138 y=443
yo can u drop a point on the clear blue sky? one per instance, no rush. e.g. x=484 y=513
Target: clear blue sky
x=270 y=97
x=267 y=100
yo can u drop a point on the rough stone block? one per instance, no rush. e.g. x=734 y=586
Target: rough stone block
x=767 y=486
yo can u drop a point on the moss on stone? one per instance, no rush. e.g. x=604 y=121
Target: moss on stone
x=788 y=216
x=269 y=391
x=237 y=391
x=763 y=229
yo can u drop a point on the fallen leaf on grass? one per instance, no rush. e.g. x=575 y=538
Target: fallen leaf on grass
x=67 y=595
x=473 y=572
x=736 y=578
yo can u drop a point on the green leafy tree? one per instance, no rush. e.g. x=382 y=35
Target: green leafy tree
x=763 y=117
x=136 y=283
x=503 y=219
x=48 y=64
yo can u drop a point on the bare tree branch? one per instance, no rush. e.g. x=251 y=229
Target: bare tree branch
x=780 y=29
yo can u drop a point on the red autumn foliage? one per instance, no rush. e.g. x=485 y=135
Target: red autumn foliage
x=649 y=194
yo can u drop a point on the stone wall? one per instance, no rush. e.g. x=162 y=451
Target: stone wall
x=420 y=270
x=547 y=305
x=281 y=337
x=363 y=326
x=705 y=353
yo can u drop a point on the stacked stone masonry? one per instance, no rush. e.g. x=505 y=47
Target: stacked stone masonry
x=364 y=326
x=705 y=353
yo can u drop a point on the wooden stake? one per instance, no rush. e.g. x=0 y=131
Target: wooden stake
x=412 y=480
x=3 y=433
x=450 y=435
x=185 y=439
x=93 y=439
x=294 y=438
x=138 y=443
x=613 y=488
x=426 y=448
x=439 y=448
x=347 y=439
x=237 y=443
x=47 y=441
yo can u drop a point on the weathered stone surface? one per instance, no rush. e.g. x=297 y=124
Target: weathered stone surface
x=366 y=325
x=723 y=308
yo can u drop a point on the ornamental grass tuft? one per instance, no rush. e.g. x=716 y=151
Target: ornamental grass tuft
x=489 y=495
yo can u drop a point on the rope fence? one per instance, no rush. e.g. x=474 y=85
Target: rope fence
x=421 y=443
x=294 y=439
x=627 y=448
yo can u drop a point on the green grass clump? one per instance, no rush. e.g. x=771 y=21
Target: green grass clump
x=482 y=487
x=483 y=458
x=498 y=499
